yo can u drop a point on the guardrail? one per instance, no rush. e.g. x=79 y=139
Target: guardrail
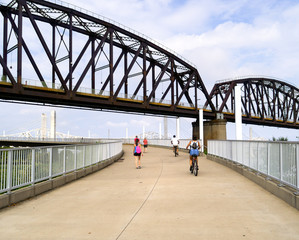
x=160 y=142
x=58 y=140
x=27 y=166
x=36 y=83
x=277 y=160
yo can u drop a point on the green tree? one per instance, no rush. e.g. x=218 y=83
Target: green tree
x=280 y=139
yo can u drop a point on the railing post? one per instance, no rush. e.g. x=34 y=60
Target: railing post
x=51 y=163
x=268 y=158
x=109 y=150
x=257 y=156
x=76 y=158
x=9 y=171
x=297 y=167
x=280 y=161
x=249 y=163
x=33 y=167
x=84 y=156
x=64 y=160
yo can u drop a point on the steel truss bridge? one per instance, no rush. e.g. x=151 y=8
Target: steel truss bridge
x=91 y=63
x=265 y=101
x=58 y=54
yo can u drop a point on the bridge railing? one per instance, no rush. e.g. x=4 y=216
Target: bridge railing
x=277 y=160
x=160 y=142
x=54 y=140
x=85 y=90
x=26 y=166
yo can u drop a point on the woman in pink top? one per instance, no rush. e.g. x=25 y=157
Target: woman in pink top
x=137 y=153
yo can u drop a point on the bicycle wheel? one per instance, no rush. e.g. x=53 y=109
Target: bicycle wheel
x=192 y=167
x=195 y=169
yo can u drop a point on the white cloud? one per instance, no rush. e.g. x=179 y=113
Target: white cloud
x=116 y=124
x=139 y=123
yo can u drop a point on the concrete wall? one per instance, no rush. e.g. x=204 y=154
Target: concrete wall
x=22 y=194
x=215 y=129
x=285 y=193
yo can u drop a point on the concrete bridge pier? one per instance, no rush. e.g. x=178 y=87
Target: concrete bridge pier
x=215 y=129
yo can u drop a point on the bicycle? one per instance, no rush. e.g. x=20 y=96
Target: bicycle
x=194 y=168
x=175 y=150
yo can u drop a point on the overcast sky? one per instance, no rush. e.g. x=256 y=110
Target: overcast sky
x=224 y=39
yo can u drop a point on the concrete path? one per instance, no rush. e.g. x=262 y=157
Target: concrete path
x=160 y=201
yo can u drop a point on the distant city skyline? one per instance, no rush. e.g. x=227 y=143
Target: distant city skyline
x=97 y=124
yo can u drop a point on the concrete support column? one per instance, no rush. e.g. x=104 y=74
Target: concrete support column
x=215 y=129
x=238 y=112
x=178 y=127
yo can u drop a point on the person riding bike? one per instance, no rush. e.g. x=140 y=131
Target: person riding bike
x=194 y=146
x=175 y=142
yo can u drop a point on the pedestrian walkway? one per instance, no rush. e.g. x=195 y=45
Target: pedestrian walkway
x=160 y=201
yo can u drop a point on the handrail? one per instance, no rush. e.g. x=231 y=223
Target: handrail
x=27 y=166
x=277 y=160
x=97 y=92
x=252 y=76
x=161 y=142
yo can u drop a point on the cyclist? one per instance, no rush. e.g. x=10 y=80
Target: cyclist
x=175 y=142
x=193 y=146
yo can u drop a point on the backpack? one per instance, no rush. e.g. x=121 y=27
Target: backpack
x=194 y=145
x=137 y=149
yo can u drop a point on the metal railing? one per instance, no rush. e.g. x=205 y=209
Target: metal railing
x=252 y=76
x=23 y=167
x=277 y=160
x=159 y=142
x=97 y=92
x=54 y=140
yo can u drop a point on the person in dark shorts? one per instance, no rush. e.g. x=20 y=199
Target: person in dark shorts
x=145 y=143
x=137 y=153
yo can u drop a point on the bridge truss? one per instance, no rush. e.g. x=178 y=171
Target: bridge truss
x=56 y=54
x=265 y=101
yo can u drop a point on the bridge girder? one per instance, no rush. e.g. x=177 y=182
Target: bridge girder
x=84 y=61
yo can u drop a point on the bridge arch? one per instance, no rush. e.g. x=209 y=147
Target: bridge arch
x=265 y=101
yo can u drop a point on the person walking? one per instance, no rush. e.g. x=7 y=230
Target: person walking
x=145 y=142
x=137 y=153
x=136 y=139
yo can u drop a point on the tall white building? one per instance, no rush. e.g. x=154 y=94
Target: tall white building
x=44 y=126
x=53 y=125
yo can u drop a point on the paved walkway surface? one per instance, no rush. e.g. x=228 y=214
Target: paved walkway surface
x=160 y=201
